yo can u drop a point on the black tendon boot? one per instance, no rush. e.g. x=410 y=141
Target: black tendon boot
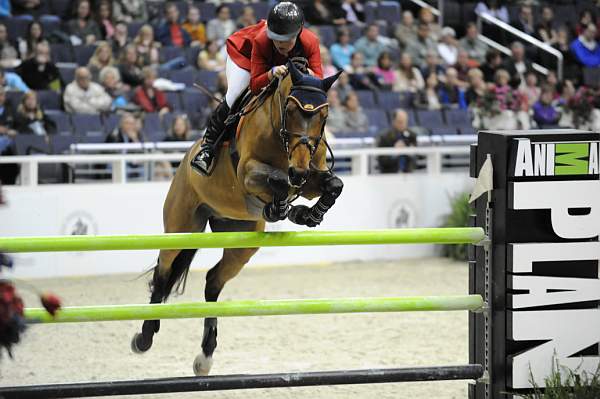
x=203 y=162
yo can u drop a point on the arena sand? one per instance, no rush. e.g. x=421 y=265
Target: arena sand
x=100 y=351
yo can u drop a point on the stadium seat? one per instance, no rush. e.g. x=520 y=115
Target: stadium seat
x=50 y=24
x=191 y=55
x=378 y=121
x=235 y=9
x=186 y=76
x=16 y=27
x=87 y=125
x=389 y=11
x=14 y=97
x=443 y=131
x=83 y=53
x=370 y=12
x=170 y=52
x=207 y=11
x=208 y=79
x=62 y=8
x=467 y=130
x=174 y=100
x=61 y=144
x=194 y=101
x=110 y=122
x=327 y=34
x=458 y=118
x=62 y=53
x=591 y=77
x=430 y=119
x=134 y=27
x=366 y=99
x=49 y=99
x=389 y=100
x=67 y=73
x=30 y=144
x=151 y=128
x=261 y=9
x=62 y=122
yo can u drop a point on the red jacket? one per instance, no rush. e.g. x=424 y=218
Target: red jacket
x=141 y=98
x=251 y=49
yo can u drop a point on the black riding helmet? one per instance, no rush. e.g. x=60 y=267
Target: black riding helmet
x=285 y=21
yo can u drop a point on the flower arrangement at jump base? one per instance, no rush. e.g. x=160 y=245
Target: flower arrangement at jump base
x=12 y=320
x=501 y=107
x=581 y=110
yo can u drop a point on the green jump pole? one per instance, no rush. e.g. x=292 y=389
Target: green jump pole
x=453 y=235
x=255 y=308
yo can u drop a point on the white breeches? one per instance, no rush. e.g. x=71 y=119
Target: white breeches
x=238 y=80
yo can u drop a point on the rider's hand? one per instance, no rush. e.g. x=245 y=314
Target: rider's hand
x=278 y=71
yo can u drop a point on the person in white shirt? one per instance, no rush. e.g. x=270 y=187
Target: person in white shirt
x=447 y=47
x=84 y=96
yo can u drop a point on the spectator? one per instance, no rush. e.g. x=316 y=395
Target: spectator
x=432 y=65
x=211 y=59
x=180 y=129
x=247 y=18
x=147 y=48
x=359 y=73
x=517 y=66
x=8 y=54
x=335 y=117
x=82 y=96
x=110 y=79
x=586 y=48
x=462 y=65
x=384 y=71
x=171 y=33
x=423 y=44
x=128 y=11
x=493 y=8
x=370 y=45
x=398 y=136
x=149 y=98
x=119 y=39
x=342 y=49
x=128 y=131
x=343 y=86
x=452 y=93
x=493 y=61
x=428 y=96
x=546 y=29
x=101 y=58
x=586 y=17
x=524 y=20
x=328 y=68
x=355 y=12
x=475 y=48
x=544 y=112
x=194 y=27
x=406 y=30
x=6 y=117
x=131 y=74
x=426 y=16
x=34 y=8
x=531 y=89
x=105 y=20
x=34 y=35
x=30 y=119
x=38 y=72
x=409 y=76
x=477 y=87
x=571 y=67
x=10 y=81
x=83 y=29
x=322 y=12
x=8 y=172
x=354 y=117
x=552 y=81
x=511 y=103
x=447 y=47
x=220 y=28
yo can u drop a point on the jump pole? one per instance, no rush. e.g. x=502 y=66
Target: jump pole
x=451 y=235
x=255 y=308
x=229 y=382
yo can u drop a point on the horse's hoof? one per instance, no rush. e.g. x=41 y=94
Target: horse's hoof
x=139 y=344
x=202 y=365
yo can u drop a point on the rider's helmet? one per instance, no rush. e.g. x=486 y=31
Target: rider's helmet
x=285 y=21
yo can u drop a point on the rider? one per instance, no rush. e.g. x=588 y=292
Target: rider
x=256 y=55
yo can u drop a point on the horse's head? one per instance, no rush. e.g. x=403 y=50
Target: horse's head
x=303 y=117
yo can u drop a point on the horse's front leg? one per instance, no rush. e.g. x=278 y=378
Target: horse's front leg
x=260 y=179
x=329 y=187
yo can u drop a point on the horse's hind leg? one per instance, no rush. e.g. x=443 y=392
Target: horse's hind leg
x=227 y=268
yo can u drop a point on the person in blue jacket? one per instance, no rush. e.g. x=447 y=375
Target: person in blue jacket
x=586 y=47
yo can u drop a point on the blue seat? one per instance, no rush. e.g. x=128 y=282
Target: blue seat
x=430 y=119
x=62 y=8
x=467 y=130
x=458 y=118
x=208 y=79
x=366 y=98
x=207 y=11
x=87 y=125
x=174 y=100
x=133 y=28
x=83 y=54
x=194 y=101
x=443 y=131
x=49 y=99
x=61 y=52
x=370 y=12
x=110 y=122
x=28 y=144
x=151 y=128
x=186 y=76
x=14 y=97
x=50 y=25
x=168 y=53
x=378 y=120
x=191 y=55
x=327 y=34
x=390 y=100
x=591 y=76
x=389 y=11
x=62 y=144
x=67 y=73
x=261 y=9
x=235 y=9
x=16 y=27
x=62 y=122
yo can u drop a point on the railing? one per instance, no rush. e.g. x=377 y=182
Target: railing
x=521 y=35
x=356 y=162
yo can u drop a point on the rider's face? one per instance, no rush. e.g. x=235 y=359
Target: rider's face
x=284 y=47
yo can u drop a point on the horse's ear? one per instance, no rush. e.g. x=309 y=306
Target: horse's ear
x=296 y=74
x=327 y=82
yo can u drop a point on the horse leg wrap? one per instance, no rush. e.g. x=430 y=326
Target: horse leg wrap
x=332 y=188
x=278 y=208
x=209 y=339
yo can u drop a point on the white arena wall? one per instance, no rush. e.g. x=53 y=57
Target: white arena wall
x=368 y=202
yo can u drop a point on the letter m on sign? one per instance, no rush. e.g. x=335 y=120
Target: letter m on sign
x=568 y=159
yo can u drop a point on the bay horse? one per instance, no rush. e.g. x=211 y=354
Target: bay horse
x=282 y=155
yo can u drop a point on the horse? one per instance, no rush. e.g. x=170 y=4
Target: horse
x=280 y=154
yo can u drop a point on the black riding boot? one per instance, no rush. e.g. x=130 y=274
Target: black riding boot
x=203 y=162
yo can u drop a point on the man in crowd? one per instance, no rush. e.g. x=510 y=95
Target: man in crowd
x=38 y=72
x=586 y=47
x=398 y=136
x=370 y=45
x=423 y=44
x=472 y=45
x=170 y=33
x=84 y=96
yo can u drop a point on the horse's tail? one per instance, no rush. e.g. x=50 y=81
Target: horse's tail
x=176 y=278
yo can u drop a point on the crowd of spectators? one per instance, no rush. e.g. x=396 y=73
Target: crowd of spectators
x=128 y=56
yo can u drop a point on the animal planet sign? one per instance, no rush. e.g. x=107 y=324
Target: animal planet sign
x=553 y=254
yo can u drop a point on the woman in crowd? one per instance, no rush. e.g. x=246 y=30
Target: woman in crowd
x=30 y=118
x=34 y=35
x=180 y=129
x=211 y=59
x=147 y=48
x=477 y=86
x=335 y=117
x=409 y=76
x=427 y=98
x=128 y=131
x=544 y=112
x=354 y=117
x=194 y=27
x=384 y=71
x=83 y=27
x=131 y=74
x=129 y=10
x=328 y=68
x=342 y=49
x=246 y=18
x=104 y=19
x=149 y=98
x=220 y=28
x=101 y=58
x=110 y=79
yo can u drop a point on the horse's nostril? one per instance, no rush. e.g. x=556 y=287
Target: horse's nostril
x=297 y=174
